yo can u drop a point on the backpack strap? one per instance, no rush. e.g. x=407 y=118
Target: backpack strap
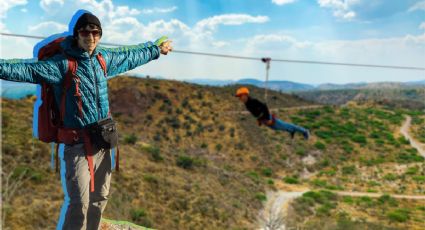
x=70 y=74
x=102 y=63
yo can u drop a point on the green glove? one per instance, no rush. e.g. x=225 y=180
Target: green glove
x=160 y=40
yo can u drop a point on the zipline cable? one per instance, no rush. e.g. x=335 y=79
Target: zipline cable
x=254 y=58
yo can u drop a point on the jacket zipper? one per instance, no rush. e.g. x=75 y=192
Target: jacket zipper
x=97 y=88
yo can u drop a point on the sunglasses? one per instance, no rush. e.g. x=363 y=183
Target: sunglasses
x=86 y=33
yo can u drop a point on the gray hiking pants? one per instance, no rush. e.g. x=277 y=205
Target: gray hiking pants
x=85 y=208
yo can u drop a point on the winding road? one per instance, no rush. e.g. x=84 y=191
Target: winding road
x=414 y=143
x=277 y=205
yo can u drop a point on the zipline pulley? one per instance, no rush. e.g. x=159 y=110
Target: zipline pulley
x=266 y=60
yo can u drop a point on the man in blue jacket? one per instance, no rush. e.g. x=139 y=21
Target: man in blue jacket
x=86 y=204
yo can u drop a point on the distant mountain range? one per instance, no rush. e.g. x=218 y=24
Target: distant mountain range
x=289 y=86
x=14 y=90
x=17 y=90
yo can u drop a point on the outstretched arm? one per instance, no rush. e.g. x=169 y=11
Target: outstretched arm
x=32 y=71
x=122 y=59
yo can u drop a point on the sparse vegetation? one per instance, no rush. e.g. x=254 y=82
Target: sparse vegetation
x=199 y=166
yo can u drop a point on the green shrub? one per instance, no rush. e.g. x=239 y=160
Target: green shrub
x=254 y=176
x=324 y=210
x=154 y=153
x=349 y=170
x=300 y=150
x=185 y=162
x=130 y=139
x=359 y=139
x=324 y=134
x=399 y=215
x=140 y=217
x=319 y=183
x=412 y=170
x=204 y=145
x=347 y=148
x=420 y=179
x=387 y=199
x=290 y=180
x=403 y=141
x=218 y=147
x=267 y=172
x=27 y=172
x=150 y=179
x=365 y=201
x=260 y=196
x=409 y=158
x=348 y=199
x=329 y=172
x=390 y=177
x=320 y=145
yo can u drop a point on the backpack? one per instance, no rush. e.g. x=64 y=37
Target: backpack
x=50 y=116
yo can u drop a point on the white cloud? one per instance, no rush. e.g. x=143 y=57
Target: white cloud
x=122 y=11
x=422 y=26
x=418 y=6
x=47 y=28
x=47 y=5
x=211 y=23
x=220 y=44
x=272 y=40
x=283 y=2
x=408 y=50
x=159 y=10
x=341 y=9
x=6 y=5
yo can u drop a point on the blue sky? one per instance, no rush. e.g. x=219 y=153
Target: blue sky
x=358 y=31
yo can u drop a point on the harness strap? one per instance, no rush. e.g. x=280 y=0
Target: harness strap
x=70 y=136
x=89 y=157
x=78 y=95
x=117 y=160
x=72 y=69
x=102 y=63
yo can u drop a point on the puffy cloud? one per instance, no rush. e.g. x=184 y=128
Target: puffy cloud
x=422 y=26
x=47 y=28
x=418 y=6
x=48 y=5
x=283 y=2
x=6 y=5
x=159 y=10
x=220 y=44
x=408 y=50
x=211 y=23
x=341 y=9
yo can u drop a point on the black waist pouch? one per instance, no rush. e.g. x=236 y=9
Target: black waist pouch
x=104 y=133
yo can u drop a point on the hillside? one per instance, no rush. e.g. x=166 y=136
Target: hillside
x=190 y=160
x=413 y=98
x=185 y=161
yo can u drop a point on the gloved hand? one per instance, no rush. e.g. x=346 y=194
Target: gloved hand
x=269 y=122
x=164 y=45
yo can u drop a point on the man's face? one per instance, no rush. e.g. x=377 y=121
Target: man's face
x=243 y=98
x=88 y=38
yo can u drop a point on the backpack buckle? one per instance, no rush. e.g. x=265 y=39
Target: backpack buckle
x=75 y=138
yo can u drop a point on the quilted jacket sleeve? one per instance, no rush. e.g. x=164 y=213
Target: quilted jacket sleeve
x=32 y=71
x=125 y=58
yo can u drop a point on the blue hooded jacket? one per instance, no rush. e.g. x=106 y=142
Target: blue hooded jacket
x=93 y=82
